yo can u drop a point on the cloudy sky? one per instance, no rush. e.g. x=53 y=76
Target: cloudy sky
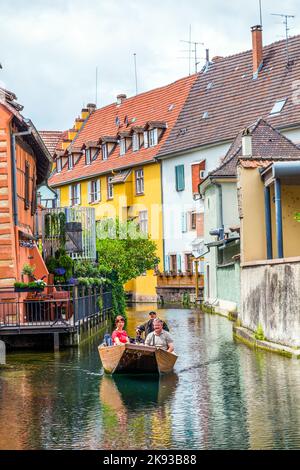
x=49 y=49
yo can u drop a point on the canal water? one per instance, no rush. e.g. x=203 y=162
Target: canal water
x=222 y=395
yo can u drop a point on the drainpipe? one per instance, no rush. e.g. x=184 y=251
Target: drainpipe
x=268 y=223
x=14 y=172
x=278 y=212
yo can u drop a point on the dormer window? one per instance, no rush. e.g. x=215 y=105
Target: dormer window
x=153 y=137
x=70 y=161
x=88 y=156
x=135 y=142
x=58 y=165
x=278 y=106
x=104 y=151
x=122 y=146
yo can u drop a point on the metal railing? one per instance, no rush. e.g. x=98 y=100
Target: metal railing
x=65 y=308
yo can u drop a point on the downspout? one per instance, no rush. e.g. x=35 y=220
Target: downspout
x=268 y=223
x=14 y=172
x=278 y=212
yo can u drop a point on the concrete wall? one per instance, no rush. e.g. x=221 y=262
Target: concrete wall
x=228 y=283
x=270 y=296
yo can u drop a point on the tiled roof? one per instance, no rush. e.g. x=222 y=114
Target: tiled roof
x=235 y=98
x=154 y=105
x=261 y=162
x=267 y=143
x=121 y=177
x=51 y=139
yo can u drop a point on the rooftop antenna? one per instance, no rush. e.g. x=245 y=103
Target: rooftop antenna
x=96 y=97
x=190 y=50
x=135 y=74
x=285 y=22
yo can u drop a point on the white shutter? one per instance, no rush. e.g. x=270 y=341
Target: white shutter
x=146 y=139
x=183 y=222
x=70 y=195
x=98 y=185
x=89 y=192
x=167 y=263
x=79 y=193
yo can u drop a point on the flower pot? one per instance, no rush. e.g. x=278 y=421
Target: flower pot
x=28 y=289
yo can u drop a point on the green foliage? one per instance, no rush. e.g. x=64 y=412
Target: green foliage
x=37 y=285
x=297 y=216
x=186 y=300
x=118 y=296
x=55 y=227
x=28 y=269
x=124 y=249
x=259 y=334
x=85 y=268
x=61 y=260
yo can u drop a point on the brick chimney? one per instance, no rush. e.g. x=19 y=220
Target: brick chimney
x=121 y=98
x=257 y=48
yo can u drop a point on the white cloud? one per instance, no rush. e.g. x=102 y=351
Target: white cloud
x=50 y=49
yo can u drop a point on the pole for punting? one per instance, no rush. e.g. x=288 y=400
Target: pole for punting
x=135 y=73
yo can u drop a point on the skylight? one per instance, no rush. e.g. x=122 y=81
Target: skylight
x=278 y=106
x=205 y=115
x=209 y=85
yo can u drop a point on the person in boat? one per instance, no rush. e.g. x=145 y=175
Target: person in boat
x=148 y=327
x=159 y=337
x=119 y=335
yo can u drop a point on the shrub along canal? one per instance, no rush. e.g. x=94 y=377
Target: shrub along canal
x=222 y=395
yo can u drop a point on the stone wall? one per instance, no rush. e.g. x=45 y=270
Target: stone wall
x=270 y=296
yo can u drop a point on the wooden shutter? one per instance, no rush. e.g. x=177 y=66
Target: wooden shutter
x=33 y=197
x=179 y=263
x=179 y=173
x=27 y=180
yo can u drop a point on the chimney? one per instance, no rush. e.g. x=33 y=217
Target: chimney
x=121 y=98
x=257 y=48
x=91 y=107
x=246 y=143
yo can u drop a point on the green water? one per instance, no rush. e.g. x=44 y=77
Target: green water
x=221 y=396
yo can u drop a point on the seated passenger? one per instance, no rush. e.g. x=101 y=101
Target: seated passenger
x=148 y=326
x=119 y=336
x=159 y=337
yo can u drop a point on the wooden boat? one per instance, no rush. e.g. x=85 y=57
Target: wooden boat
x=136 y=358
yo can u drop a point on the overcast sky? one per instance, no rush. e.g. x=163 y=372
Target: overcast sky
x=49 y=49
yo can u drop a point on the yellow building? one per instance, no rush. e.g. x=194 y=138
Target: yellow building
x=111 y=165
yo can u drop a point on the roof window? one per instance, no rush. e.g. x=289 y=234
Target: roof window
x=171 y=107
x=278 y=106
x=209 y=86
x=205 y=115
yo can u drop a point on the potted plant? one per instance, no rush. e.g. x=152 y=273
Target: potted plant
x=189 y=272
x=28 y=270
x=34 y=286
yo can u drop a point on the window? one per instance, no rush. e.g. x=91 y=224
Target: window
x=189 y=262
x=143 y=221
x=153 y=137
x=57 y=197
x=278 y=106
x=202 y=174
x=173 y=263
x=205 y=115
x=139 y=181
x=27 y=182
x=179 y=174
x=146 y=144
x=135 y=142
x=75 y=194
x=88 y=156
x=70 y=161
x=110 y=188
x=122 y=146
x=193 y=220
x=183 y=222
x=104 y=152
x=94 y=191
x=58 y=165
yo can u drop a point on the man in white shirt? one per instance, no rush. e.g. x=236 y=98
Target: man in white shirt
x=159 y=337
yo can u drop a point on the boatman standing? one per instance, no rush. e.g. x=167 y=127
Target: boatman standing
x=148 y=327
x=159 y=337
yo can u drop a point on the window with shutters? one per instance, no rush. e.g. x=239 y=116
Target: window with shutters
x=135 y=142
x=75 y=194
x=179 y=176
x=153 y=137
x=88 y=156
x=33 y=196
x=193 y=221
x=143 y=221
x=70 y=161
x=27 y=183
x=58 y=165
x=173 y=263
x=110 y=188
x=122 y=146
x=146 y=141
x=139 y=181
x=189 y=262
x=104 y=151
x=95 y=193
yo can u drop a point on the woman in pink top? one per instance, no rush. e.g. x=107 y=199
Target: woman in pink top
x=120 y=336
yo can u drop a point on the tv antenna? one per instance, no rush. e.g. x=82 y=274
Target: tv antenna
x=191 y=50
x=135 y=74
x=96 y=97
x=285 y=22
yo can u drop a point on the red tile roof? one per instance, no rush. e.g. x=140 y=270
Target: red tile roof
x=153 y=105
x=235 y=98
x=51 y=139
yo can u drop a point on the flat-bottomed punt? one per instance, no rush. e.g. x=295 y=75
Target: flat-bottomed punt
x=136 y=358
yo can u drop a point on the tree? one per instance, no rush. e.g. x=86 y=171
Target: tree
x=123 y=248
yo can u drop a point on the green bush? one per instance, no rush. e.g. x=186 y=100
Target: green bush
x=259 y=334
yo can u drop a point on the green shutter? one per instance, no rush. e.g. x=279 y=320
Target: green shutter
x=179 y=172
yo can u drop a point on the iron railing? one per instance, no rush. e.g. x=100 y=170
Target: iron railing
x=65 y=307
